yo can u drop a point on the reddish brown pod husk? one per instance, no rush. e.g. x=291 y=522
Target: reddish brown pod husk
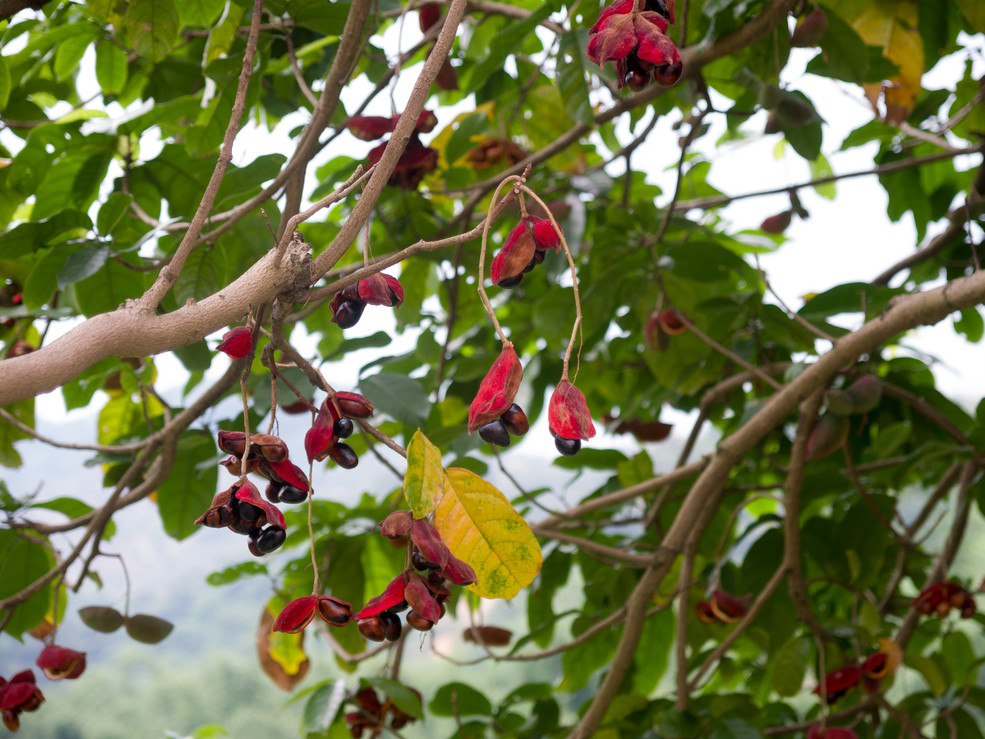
x=497 y=389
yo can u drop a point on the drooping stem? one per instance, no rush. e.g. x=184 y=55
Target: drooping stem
x=315 y=584
x=576 y=328
x=518 y=181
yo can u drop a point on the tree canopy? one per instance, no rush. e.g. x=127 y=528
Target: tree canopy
x=204 y=204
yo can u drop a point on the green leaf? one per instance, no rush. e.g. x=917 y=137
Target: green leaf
x=200 y=13
x=399 y=396
x=572 y=76
x=4 y=83
x=970 y=324
x=189 y=489
x=106 y=290
x=930 y=671
x=152 y=27
x=378 y=565
x=424 y=480
x=502 y=45
x=235 y=572
x=735 y=728
x=73 y=508
x=322 y=706
x=403 y=697
x=111 y=68
x=788 y=665
x=974 y=12
x=82 y=264
x=23 y=561
x=203 y=274
x=71 y=50
x=148 y=629
x=23 y=411
x=101 y=618
x=460 y=699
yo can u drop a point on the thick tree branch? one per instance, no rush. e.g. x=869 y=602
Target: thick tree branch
x=903 y=314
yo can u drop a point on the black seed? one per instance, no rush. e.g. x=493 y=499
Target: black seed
x=247 y=511
x=291 y=494
x=567 y=447
x=273 y=491
x=348 y=313
x=391 y=626
x=511 y=281
x=530 y=265
x=495 y=432
x=539 y=255
x=254 y=548
x=246 y=528
x=270 y=539
x=515 y=420
x=419 y=563
x=343 y=428
x=344 y=456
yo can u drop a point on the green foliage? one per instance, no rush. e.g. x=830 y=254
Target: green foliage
x=111 y=138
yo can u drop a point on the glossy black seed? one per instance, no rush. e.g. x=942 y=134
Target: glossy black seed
x=530 y=265
x=539 y=255
x=391 y=625
x=246 y=528
x=254 y=548
x=343 y=428
x=567 y=447
x=421 y=564
x=270 y=539
x=495 y=432
x=515 y=420
x=273 y=491
x=344 y=456
x=291 y=494
x=247 y=511
x=348 y=313
x=511 y=281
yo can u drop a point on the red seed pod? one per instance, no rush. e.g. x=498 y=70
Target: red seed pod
x=58 y=662
x=568 y=414
x=378 y=290
x=704 y=613
x=840 y=682
x=397 y=524
x=353 y=405
x=420 y=599
x=511 y=261
x=777 y=224
x=248 y=493
x=727 y=607
x=497 y=389
x=334 y=611
x=671 y=323
x=459 y=572
x=427 y=539
x=296 y=615
x=390 y=597
x=369 y=127
x=237 y=342
x=428 y=15
x=270 y=447
x=232 y=442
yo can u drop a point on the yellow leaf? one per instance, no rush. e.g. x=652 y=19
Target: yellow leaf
x=424 y=481
x=482 y=528
x=282 y=656
x=892 y=25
